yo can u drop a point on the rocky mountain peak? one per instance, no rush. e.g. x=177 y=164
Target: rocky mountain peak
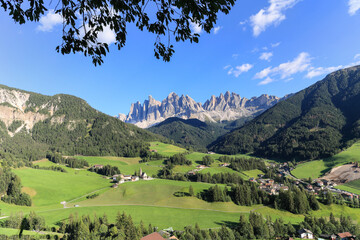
x=228 y=106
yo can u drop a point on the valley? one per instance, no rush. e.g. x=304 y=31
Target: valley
x=297 y=161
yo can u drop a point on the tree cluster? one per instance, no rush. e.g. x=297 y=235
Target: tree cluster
x=10 y=186
x=330 y=225
x=179 y=159
x=70 y=162
x=107 y=170
x=244 y=164
x=296 y=200
x=207 y=160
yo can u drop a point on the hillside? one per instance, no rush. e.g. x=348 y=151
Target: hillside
x=226 y=107
x=191 y=133
x=316 y=122
x=32 y=123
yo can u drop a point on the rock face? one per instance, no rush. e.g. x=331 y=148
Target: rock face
x=12 y=108
x=228 y=106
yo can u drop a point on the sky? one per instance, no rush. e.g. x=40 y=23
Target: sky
x=273 y=47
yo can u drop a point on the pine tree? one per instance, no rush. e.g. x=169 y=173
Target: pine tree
x=191 y=191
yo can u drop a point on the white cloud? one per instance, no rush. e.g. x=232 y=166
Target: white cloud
x=266 y=81
x=243 y=22
x=235 y=56
x=354 y=6
x=314 y=72
x=217 y=29
x=107 y=36
x=285 y=70
x=272 y=15
x=195 y=28
x=357 y=56
x=274 y=45
x=266 y=56
x=239 y=69
x=49 y=21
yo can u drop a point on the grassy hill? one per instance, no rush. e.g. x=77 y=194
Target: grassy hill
x=65 y=123
x=318 y=168
x=314 y=123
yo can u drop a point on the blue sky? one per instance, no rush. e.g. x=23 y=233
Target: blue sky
x=264 y=46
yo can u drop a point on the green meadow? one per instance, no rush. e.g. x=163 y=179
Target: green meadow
x=50 y=187
x=316 y=169
x=353 y=186
x=158 y=201
x=166 y=149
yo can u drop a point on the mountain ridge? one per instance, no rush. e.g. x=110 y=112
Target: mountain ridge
x=316 y=122
x=226 y=107
x=65 y=123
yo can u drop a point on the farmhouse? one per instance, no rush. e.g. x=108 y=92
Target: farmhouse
x=306 y=234
x=201 y=166
x=116 y=176
x=153 y=236
x=345 y=236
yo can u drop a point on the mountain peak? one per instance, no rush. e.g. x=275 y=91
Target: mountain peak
x=225 y=107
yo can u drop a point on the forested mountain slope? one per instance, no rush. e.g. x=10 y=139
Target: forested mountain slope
x=191 y=133
x=31 y=124
x=316 y=122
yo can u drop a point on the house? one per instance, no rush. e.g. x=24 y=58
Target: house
x=153 y=150
x=319 y=183
x=284 y=188
x=153 y=236
x=127 y=177
x=191 y=173
x=310 y=187
x=173 y=238
x=116 y=176
x=327 y=236
x=201 y=166
x=252 y=179
x=134 y=178
x=97 y=166
x=305 y=234
x=345 y=236
x=210 y=153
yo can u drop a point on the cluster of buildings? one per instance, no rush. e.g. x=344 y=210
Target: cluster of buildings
x=121 y=178
x=307 y=234
x=269 y=186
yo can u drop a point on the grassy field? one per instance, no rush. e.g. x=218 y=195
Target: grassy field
x=126 y=165
x=253 y=173
x=154 y=202
x=51 y=187
x=166 y=149
x=13 y=232
x=353 y=186
x=315 y=169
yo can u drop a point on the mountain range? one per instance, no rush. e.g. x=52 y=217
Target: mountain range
x=226 y=107
x=314 y=123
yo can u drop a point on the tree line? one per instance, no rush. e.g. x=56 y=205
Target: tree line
x=70 y=162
